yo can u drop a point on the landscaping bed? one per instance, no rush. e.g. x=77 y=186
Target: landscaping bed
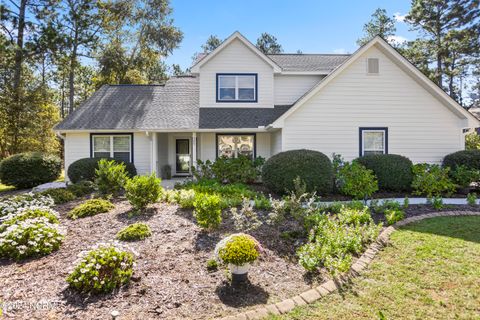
x=170 y=279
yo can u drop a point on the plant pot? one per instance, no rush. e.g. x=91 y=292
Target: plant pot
x=239 y=273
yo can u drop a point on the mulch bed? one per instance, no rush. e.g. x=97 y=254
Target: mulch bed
x=170 y=281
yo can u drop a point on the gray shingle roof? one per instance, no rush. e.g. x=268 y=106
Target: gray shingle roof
x=171 y=106
x=308 y=62
x=211 y=118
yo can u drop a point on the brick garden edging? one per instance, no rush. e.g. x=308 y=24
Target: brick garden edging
x=329 y=286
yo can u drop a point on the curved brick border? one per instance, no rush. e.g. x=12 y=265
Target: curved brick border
x=329 y=286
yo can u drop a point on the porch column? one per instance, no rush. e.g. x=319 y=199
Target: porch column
x=194 y=149
x=154 y=166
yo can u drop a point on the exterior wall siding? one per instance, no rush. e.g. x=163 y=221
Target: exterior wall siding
x=276 y=142
x=419 y=126
x=77 y=146
x=142 y=152
x=288 y=88
x=236 y=58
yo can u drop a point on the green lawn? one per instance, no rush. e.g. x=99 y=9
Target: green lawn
x=5 y=187
x=431 y=270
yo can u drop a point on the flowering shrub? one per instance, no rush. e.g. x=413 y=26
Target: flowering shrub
x=90 y=208
x=29 y=238
x=142 y=191
x=59 y=195
x=110 y=177
x=185 y=198
x=207 y=211
x=245 y=219
x=25 y=214
x=136 y=231
x=238 y=249
x=106 y=267
x=28 y=200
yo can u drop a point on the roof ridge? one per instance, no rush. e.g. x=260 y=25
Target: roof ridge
x=309 y=54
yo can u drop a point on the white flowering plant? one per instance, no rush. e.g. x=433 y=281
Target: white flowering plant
x=25 y=201
x=28 y=213
x=102 y=269
x=30 y=238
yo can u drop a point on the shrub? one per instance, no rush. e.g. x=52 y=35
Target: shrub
x=463 y=176
x=212 y=265
x=299 y=203
x=32 y=237
x=25 y=201
x=136 y=231
x=236 y=170
x=385 y=205
x=472 y=141
x=393 y=215
x=431 y=180
x=84 y=169
x=59 y=195
x=393 y=171
x=81 y=188
x=169 y=196
x=357 y=181
x=143 y=190
x=185 y=198
x=437 y=203
x=90 y=208
x=102 y=269
x=467 y=158
x=278 y=211
x=312 y=167
x=27 y=170
x=26 y=214
x=207 y=210
x=245 y=219
x=354 y=216
x=238 y=249
x=203 y=170
x=262 y=203
x=472 y=199
x=111 y=177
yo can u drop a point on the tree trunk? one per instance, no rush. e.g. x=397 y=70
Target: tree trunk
x=71 y=76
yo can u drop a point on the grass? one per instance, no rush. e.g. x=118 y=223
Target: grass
x=4 y=187
x=430 y=271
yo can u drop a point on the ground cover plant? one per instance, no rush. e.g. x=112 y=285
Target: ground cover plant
x=90 y=208
x=134 y=232
x=60 y=195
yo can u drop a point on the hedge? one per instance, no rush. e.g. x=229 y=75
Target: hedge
x=313 y=167
x=393 y=171
x=30 y=169
x=467 y=158
x=84 y=169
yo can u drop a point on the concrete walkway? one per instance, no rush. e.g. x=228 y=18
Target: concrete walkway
x=170 y=183
x=410 y=201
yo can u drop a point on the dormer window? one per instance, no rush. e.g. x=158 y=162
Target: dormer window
x=238 y=87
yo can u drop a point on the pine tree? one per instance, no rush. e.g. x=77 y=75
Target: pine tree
x=380 y=25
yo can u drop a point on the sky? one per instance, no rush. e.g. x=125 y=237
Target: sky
x=310 y=26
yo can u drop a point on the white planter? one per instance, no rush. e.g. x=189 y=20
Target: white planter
x=243 y=269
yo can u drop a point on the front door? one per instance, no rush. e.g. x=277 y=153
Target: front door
x=182 y=158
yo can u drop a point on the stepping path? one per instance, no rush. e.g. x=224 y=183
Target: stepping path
x=329 y=286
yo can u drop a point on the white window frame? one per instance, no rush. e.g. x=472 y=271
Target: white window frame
x=384 y=150
x=112 y=151
x=237 y=87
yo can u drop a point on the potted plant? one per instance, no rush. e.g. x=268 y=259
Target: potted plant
x=238 y=251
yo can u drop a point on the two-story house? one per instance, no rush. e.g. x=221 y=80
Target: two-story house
x=238 y=100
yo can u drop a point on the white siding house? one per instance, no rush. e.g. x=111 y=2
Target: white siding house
x=240 y=101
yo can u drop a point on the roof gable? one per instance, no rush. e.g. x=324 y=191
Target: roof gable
x=235 y=36
x=404 y=64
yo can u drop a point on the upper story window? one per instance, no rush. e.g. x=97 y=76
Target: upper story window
x=116 y=146
x=373 y=141
x=236 y=87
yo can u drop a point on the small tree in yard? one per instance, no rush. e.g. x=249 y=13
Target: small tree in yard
x=111 y=177
x=142 y=191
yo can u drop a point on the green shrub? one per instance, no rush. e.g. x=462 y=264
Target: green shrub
x=357 y=181
x=312 y=167
x=142 y=191
x=27 y=170
x=393 y=171
x=431 y=180
x=238 y=249
x=31 y=237
x=81 y=188
x=406 y=203
x=102 y=269
x=354 y=216
x=472 y=199
x=385 y=205
x=237 y=170
x=111 y=177
x=90 y=208
x=472 y=141
x=467 y=158
x=262 y=202
x=437 y=202
x=203 y=170
x=245 y=219
x=134 y=232
x=59 y=195
x=212 y=265
x=84 y=169
x=207 y=210
x=393 y=215
x=185 y=198
x=463 y=176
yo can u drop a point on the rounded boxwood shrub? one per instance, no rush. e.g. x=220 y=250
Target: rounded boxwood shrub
x=468 y=158
x=313 y=167
x=27 y=170
x=393 y=171
x=90 y=208
x=133 y=232
x=102 y=269
x=238 y=249
x=84 y=169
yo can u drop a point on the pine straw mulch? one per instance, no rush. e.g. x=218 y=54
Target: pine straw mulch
x=170 y=281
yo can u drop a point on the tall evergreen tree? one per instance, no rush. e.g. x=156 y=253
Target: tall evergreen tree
x=268 y=44
x=380 y=25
